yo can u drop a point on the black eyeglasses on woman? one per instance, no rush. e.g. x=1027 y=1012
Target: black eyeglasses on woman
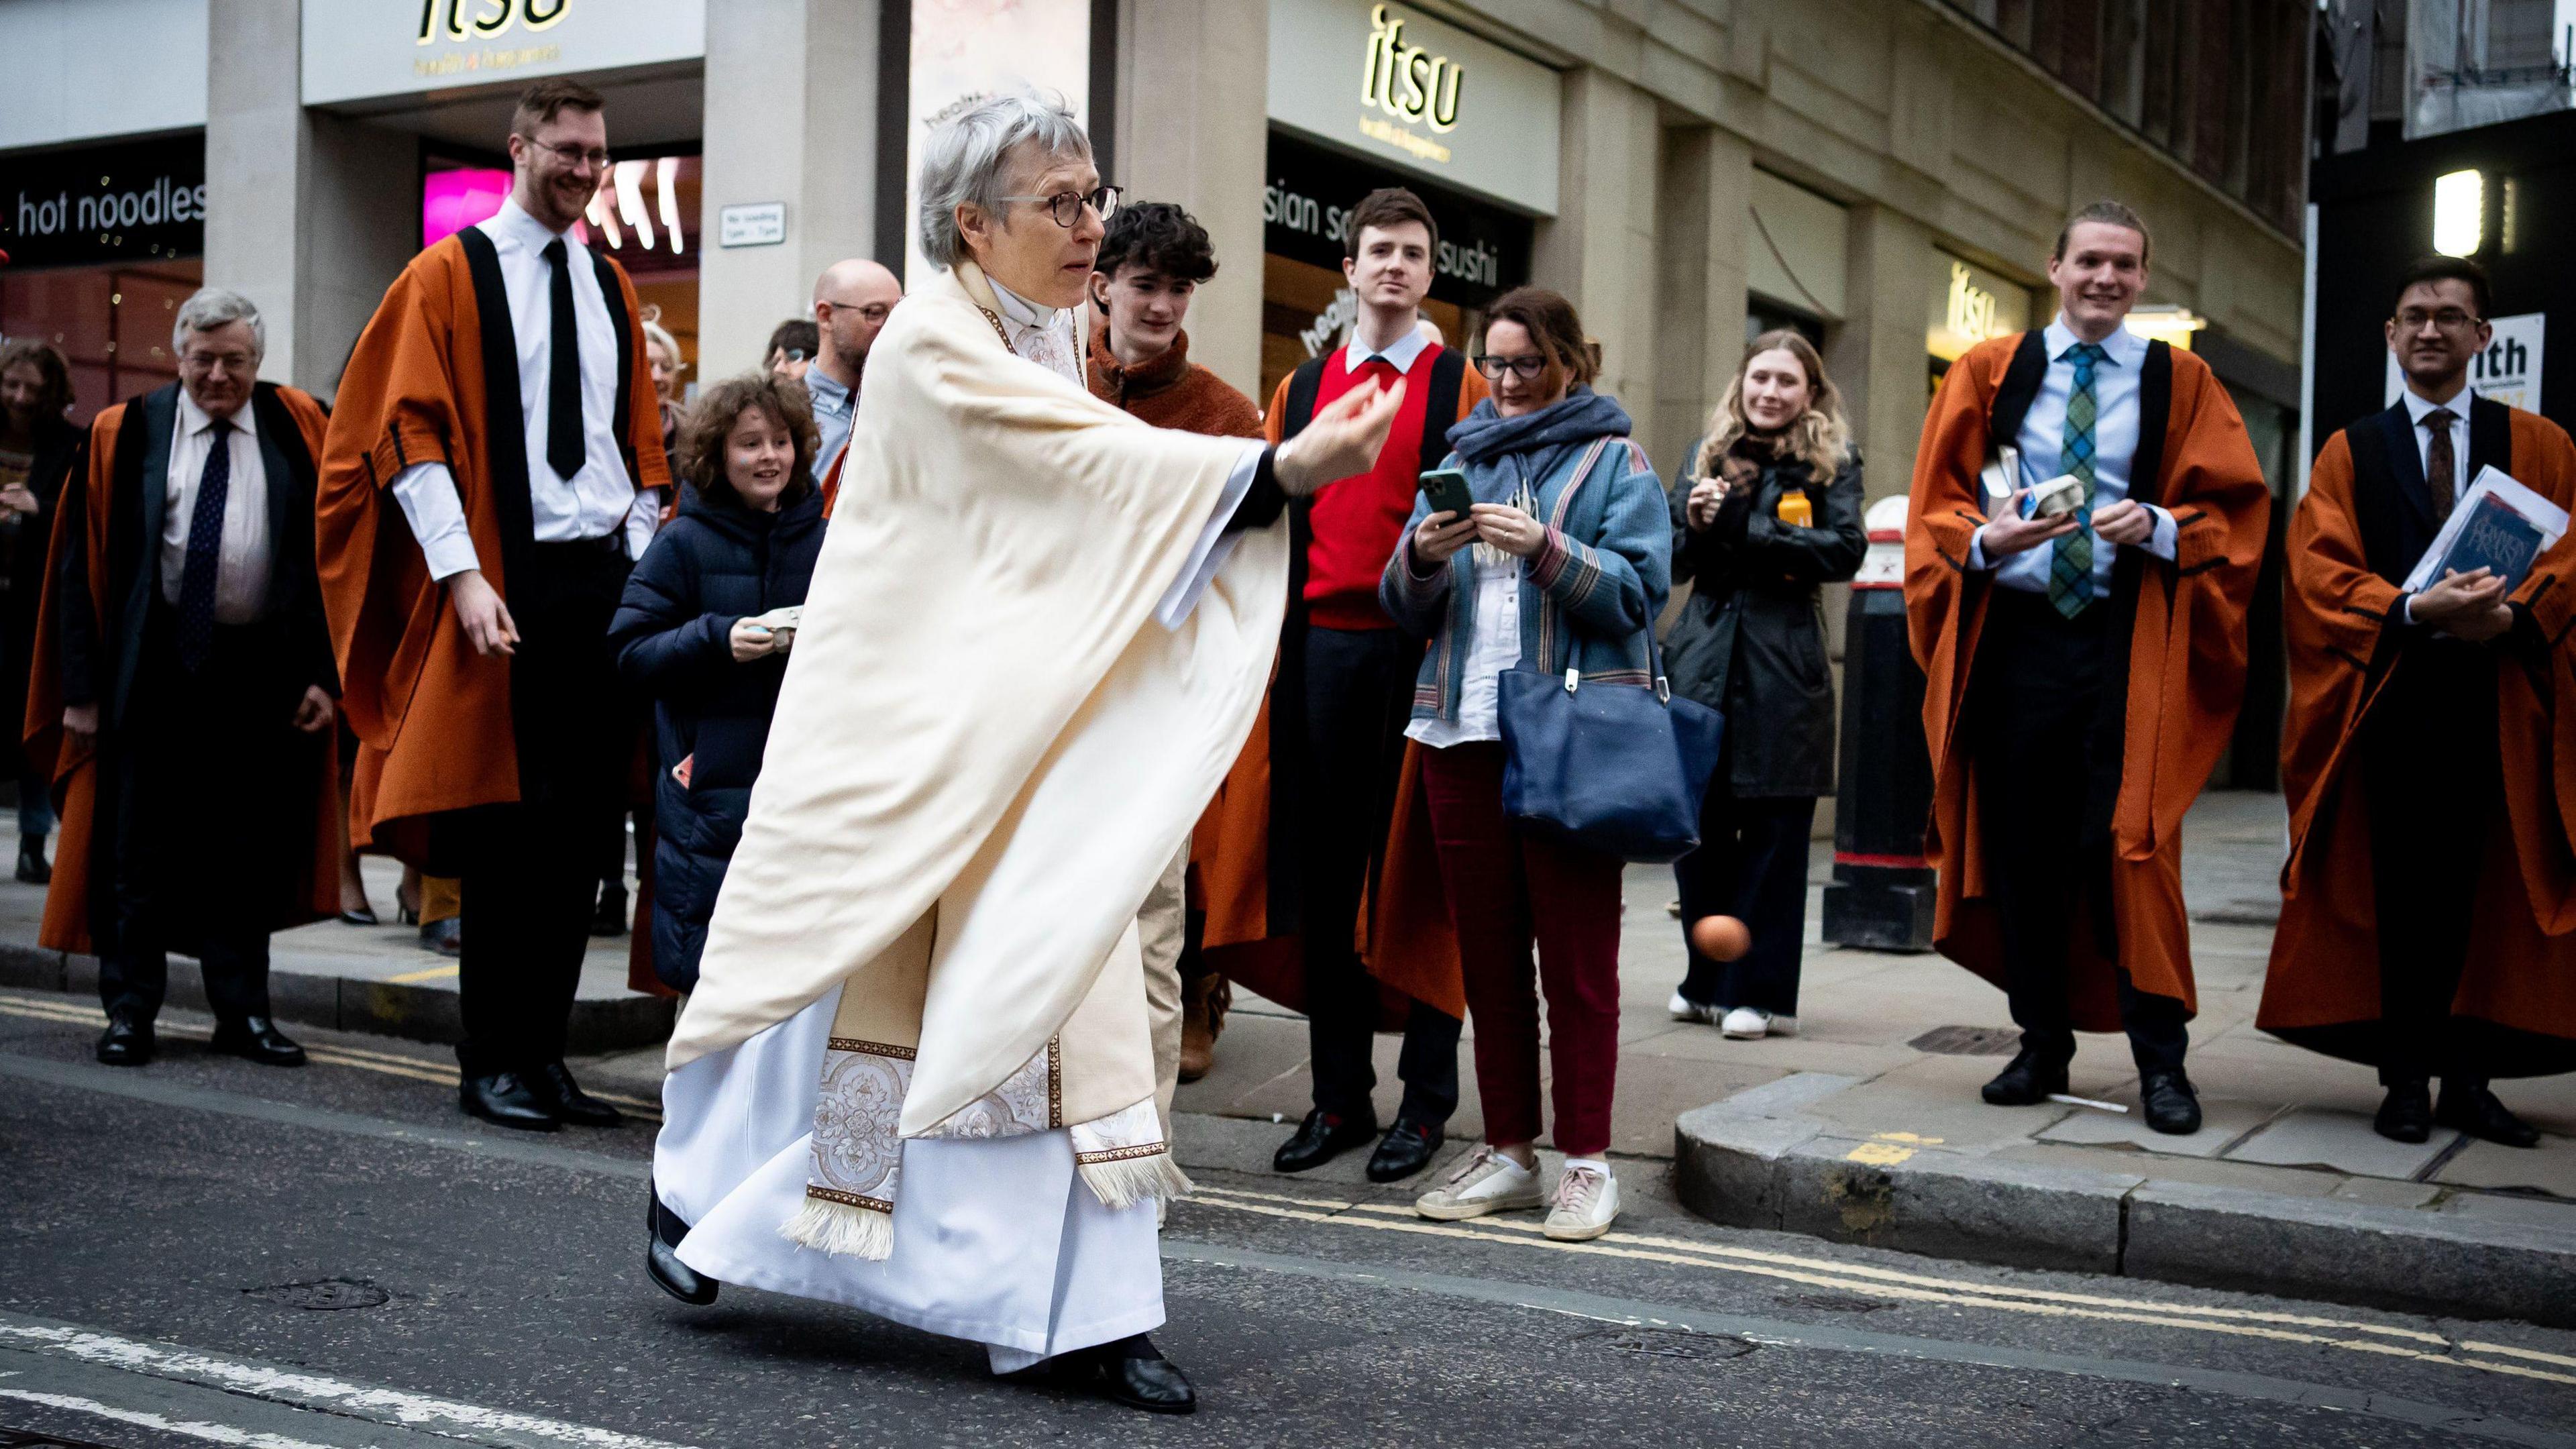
x=1528 y=367
x=1066 y=206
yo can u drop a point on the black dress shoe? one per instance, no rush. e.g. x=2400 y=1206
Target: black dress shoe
x=555 y=1087
x=1319 y=1139
x=2171 y=1105
x=256 y=1039
x=33 y=868
x=663 y=1265
x=127 y=1042
x=2473 y=1109
x=611 y=917
x=446 y=937
x=2406 y=1115
x=506 y=1100
x=1131 y=1371
x=1406 y=1151
x=2027 y=1080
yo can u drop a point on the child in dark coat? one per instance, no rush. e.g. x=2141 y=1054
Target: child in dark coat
x=701 y=634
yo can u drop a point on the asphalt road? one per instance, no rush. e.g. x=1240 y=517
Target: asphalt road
x=205 y=1252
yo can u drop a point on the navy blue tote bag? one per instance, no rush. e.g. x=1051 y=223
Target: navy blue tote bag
x=1612 y=767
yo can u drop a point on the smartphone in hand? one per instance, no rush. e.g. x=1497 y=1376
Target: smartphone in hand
x=1447 y=490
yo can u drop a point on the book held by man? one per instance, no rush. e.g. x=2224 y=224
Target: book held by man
x=2500 y=526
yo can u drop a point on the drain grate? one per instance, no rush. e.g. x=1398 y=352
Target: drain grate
x=1969 y=1041
x=323 y=1295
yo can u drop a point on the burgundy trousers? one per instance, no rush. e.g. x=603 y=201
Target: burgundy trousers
x=1508 y=888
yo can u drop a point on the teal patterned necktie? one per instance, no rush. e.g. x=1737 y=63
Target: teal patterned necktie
x=2070 y=567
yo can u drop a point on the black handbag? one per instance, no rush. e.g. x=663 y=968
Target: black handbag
x=1615 y=768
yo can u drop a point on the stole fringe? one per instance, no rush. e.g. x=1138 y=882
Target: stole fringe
x=1124 y=1182
x=843 y=1230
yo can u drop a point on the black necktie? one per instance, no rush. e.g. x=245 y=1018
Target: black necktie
x=205 y=550
x=2441 y=465
x=564 y=447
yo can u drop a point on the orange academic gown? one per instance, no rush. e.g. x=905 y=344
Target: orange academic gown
x=113 y=462
x=2184 y=637
x=2517 y=997
x=424 y=385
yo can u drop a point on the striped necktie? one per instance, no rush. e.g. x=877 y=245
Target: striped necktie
x=2070 y=568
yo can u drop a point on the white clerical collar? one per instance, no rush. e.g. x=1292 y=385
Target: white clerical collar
x=514 y=225
x=194 y=419
x=1400 y=355
x=1019 y=309
x=2124 y=347
x=2417 y=405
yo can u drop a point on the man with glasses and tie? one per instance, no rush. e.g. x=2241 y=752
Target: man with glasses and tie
x=2083 y=667
x=2425 y=926
x=493 y=469
x=182 y=695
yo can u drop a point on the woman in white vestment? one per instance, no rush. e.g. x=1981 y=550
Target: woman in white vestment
x=915 y=1078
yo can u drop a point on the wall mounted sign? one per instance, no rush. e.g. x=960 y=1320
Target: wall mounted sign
x=752 y=224
x=1305 y=210
x=2508 y=371
x=105 y=203
x=1388 y=82
x=1972 y=305
x=361 y=50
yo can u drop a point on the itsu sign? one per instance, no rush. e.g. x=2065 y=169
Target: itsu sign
x=2508 y=371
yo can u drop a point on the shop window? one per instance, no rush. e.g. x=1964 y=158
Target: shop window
x=111 y=323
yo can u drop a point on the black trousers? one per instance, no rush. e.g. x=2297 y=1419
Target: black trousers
x=2032 y=704
x=205 y=789
x=1751 y=864
x=2435 y=788
x=1359 y=693
x=528 y=877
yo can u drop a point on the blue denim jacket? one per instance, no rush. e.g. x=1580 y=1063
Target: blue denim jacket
x=1597 y=584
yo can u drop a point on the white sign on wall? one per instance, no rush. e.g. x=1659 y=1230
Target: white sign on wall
x=1394 y=84
x=357 y=50
x=963 y=50
x=2508 y=371
x=752 y=224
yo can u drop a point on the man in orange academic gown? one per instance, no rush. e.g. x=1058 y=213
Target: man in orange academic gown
x=181 y=699
x=2431 y=891
x=2083 y=670
x=494 y=467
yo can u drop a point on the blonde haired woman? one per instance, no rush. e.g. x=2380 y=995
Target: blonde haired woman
x=1766 y=511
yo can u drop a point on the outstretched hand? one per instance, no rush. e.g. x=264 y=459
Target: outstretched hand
x=1344 y=438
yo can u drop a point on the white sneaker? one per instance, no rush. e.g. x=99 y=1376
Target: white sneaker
x=1587 y=1202
x=1747 y=1023
x=1682 y=1008
x=1487 y=1182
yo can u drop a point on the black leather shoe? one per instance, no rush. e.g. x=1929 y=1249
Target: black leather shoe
x=446 y=937
x=127 y=1043
x=2029 y=1079
x=555 y=1087
x=506 y=1100
x=663 y=1266
x=33 y=868
x=1406 y=1151
x=2171 y=1105
x=2474 y=1109
x=2406 y=1115
x=610 y=920
x=1320 y=1138
x=256 y=1039
x=1131 y=1371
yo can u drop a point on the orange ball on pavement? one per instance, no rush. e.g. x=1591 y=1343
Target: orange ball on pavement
x=1720 y=938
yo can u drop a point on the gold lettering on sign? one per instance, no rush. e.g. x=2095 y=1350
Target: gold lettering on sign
x=1407 y=81
x=447 y=20
x=1972 y=308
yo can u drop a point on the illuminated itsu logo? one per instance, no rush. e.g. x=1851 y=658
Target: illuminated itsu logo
x=1406 y=81
x=448 y=20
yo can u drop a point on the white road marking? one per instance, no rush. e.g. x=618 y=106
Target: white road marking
x=304 y=1390
x=192 y=1428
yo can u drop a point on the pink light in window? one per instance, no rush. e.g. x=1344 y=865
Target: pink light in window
x=451 y=201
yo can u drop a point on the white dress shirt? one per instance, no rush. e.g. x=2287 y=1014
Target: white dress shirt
x=1494 y=645
x=2116 y=381
x=1399 y=355
x=1045 y=335
x=242 y=565
x=2417 y=406
x=599 y=499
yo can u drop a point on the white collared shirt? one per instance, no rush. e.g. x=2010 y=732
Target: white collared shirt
x=242 y=564
x=2417 y=407
x=600 y=498
x=1043 y=335
x=1399 y=355
x=2117 y=379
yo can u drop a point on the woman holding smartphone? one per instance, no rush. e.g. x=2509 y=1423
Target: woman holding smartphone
x=1766 y=510
x=1560 y=563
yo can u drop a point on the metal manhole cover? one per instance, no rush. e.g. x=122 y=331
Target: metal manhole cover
x=1831 y=1303
x=1969 y=1041
x=1667 y=1343
x=324 y=1295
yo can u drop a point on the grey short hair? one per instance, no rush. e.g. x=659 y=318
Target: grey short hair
x=212 y=308
x=968 y=152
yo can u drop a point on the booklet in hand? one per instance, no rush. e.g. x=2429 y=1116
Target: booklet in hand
x=2501 y=526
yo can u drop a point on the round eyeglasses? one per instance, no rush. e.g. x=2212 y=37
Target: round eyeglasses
x=1066 y=206
x=1528 y=366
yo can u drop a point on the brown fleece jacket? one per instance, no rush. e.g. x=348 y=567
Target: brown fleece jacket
x=1170 y=391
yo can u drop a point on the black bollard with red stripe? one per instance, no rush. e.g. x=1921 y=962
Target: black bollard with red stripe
x=1882 y=893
